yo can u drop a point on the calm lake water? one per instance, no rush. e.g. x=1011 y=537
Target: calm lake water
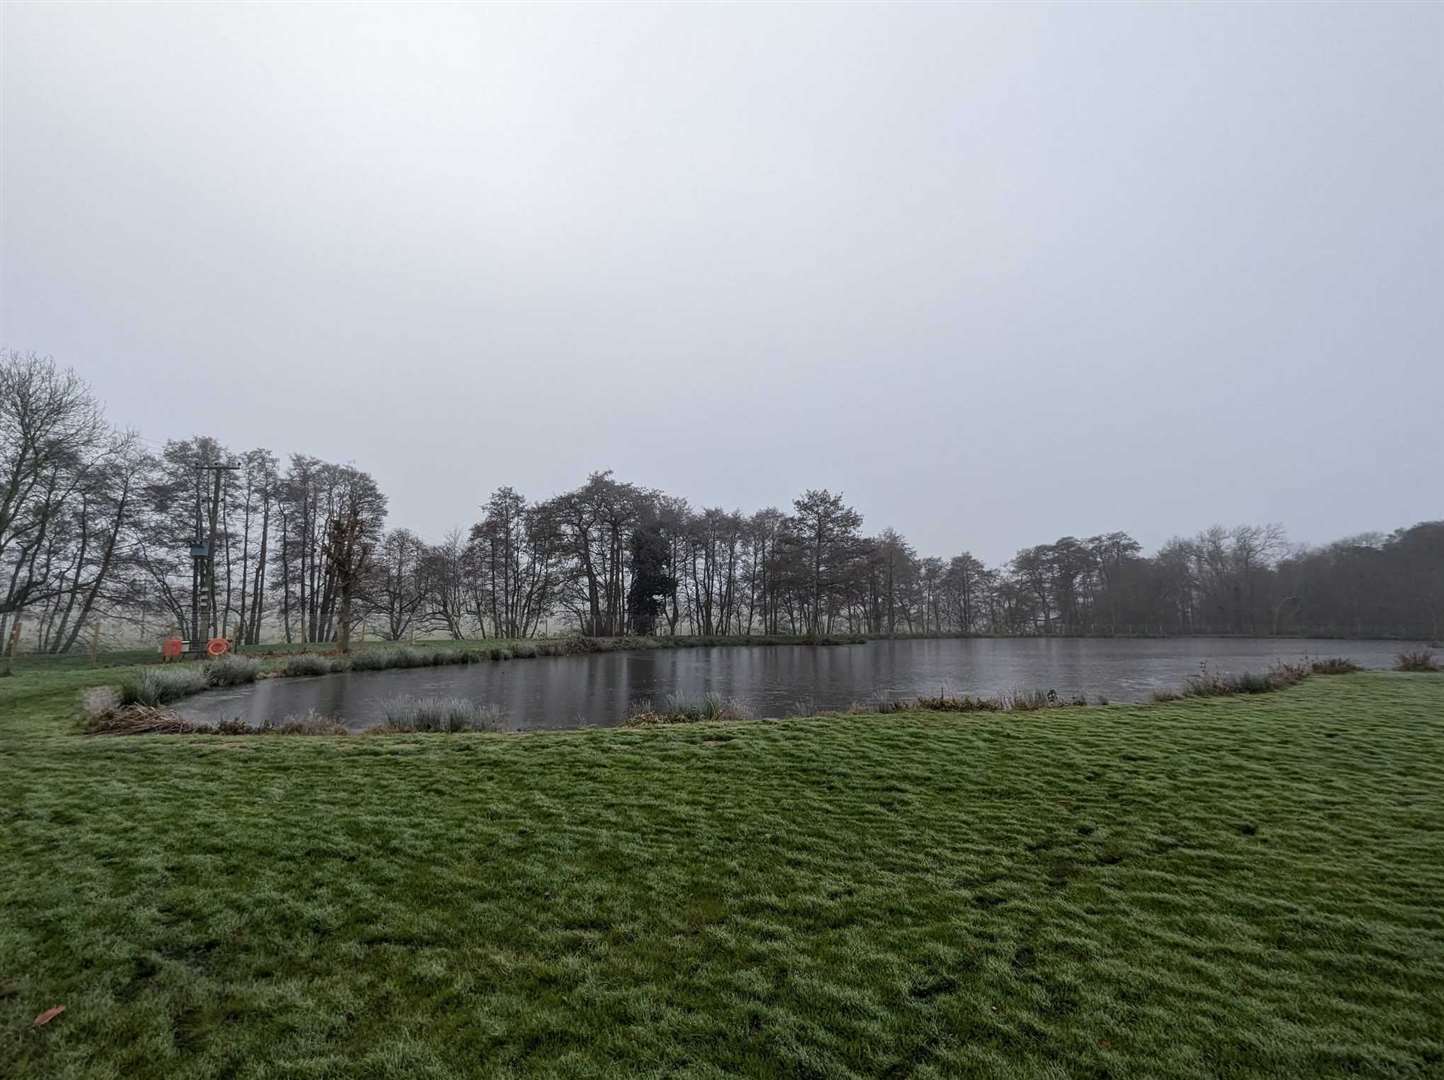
x=579 y=691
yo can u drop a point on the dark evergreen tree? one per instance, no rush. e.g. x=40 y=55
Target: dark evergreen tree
x=652 y=578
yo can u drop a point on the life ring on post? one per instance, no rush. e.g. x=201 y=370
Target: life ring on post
x=218 y=646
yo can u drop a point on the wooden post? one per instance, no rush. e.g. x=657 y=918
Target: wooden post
x=10 y=645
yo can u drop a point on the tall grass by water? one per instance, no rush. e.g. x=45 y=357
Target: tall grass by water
x=386 y=657
x=1210 y=683
x=711 y=708
x=1422 y=660
x=302 y=664
x=160 y=685
x=232 y=670
x=1008 y=701
x=437 y=713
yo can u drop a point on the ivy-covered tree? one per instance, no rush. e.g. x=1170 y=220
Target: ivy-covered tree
x=652 y=579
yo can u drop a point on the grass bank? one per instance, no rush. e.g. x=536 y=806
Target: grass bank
x=273 y=655
x=140 y=677
x=1242 y=886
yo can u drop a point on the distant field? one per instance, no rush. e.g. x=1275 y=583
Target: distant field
x=1237 y=887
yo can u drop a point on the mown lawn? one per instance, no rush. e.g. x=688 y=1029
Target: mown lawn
x=1226 y=887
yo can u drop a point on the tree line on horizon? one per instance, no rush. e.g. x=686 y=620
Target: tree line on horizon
x=94 y=525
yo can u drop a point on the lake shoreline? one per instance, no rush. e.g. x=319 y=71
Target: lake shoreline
x=584 y=688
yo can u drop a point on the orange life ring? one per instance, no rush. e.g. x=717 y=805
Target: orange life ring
x=218 y=646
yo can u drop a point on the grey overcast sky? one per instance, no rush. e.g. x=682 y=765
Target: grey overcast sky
x=998 y=273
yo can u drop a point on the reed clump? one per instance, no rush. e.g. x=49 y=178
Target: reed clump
x=1210 y=683
x=711 y=708
x=155 y=686
x=302 y=664
x=232 y=670
x=1008 y=701
x=437 y=713
x=1421 y=660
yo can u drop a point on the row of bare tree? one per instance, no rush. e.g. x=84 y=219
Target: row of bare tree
x=95 y=525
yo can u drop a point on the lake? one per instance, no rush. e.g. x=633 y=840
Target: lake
x=599 y=689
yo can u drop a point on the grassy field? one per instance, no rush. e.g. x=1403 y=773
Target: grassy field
x=1247 y=886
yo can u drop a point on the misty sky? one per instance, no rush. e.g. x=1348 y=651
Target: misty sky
x=999 y=274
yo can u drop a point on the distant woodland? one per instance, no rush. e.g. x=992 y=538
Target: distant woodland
x=95 y=525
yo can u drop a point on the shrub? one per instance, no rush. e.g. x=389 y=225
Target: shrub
x=232 y=671
x=1423 y=660
x=160 y=685
x=1334 y=665
x=524 y=650
x=404 y=714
